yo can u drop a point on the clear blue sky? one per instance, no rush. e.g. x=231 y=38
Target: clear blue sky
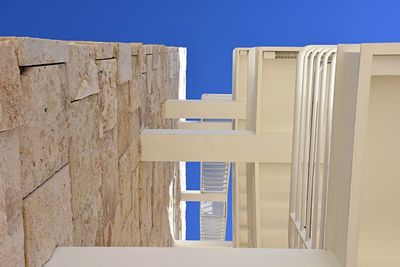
x=209 y=29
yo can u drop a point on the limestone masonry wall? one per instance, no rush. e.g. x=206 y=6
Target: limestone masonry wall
x=70 y=170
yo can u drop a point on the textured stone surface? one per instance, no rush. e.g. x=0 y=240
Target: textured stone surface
x=44 y=143
x=134 y=93
x=109 y=228
x=124 y=62
x=87 y=223
x=108 y=92
x=82 y=73
x=34 y=51
x=103 y=50
x=85 y=163
x=135 y=48
x=125 y=189
x=128 y=122
x=135 y=207
x=127 y=165
x=145 y=201
x=78 y=157
x=11 y=226
x=48 y=218
x=149 y=74
x=10 y=87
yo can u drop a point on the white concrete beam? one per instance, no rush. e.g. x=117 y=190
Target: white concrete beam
x=196 y=195
x=202 y=244
x=205 y=109
x=215 y=145
x=205 y=125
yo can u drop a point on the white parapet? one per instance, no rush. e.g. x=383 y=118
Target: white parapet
x=194 y=257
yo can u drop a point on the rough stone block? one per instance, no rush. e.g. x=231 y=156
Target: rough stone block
x=124 y=62
x=127 y=165
x=128 y=122
x=43 y=139
x=142 y=60
x=125 y=185
x=145 y=201
x=81 y=72
x=11 y=225
x=108 y=92
x=85 y=163
x=131 y=234
x=134 y=95
x=123 y=117
x=135 y=205
x=10 y=87
x=135 y=48
x=48 y=218
x=87 y=223
x=103 y=50
x=111 y=233
x=149 y=74
x=109 y=171
x=34 y=51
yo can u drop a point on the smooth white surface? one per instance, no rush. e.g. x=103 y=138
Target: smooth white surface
x=176 y=257
x=205 y=109
x=214 y=145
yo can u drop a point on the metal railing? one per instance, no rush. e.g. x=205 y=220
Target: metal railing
x=316 y=66
x=213 y=215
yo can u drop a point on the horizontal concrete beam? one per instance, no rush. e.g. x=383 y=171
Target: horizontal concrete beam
x=202 y=244
x=205 y=125
x=205 y=109
x=215 y=145
x=195 y=195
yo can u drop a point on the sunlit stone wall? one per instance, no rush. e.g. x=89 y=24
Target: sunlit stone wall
x=70 y=172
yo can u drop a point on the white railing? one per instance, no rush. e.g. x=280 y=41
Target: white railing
x=315 y=79
x=213 y=215
x=214 y=177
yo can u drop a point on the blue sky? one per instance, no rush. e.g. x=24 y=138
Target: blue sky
x=209 y=29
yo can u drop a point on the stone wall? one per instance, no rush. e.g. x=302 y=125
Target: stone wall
x=70 y=170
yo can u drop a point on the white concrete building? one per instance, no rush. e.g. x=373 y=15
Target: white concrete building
x=312 y=137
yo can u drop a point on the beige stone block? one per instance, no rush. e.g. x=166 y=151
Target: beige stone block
x=10 y=87
x=34 y=51
x=43 y=139
x=149 y=74
x=124 y=62
x=143 y=101
x=125 y=186
x=108 y=93
x=103 y=50
x=82 y=73
x=145 y=204
x=142 y=59
x=128 y=180
x=110 y=180
x=135 y=48
x=128 y=122
x=111 y=234
x=148 y=48
x=134 y=95
x=87 y=223
x=48 y=218
x=11 y=225
x=85 y=163
x=123 y=117
x=136 y=205
x=131 y=234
